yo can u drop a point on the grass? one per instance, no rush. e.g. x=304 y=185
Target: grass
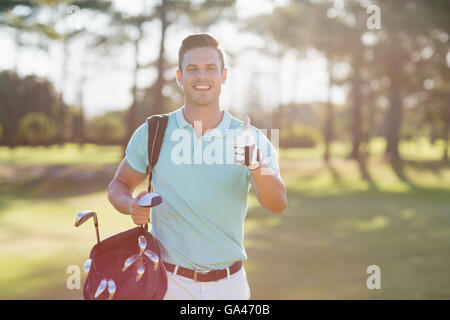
x=336 y=225
x=341 y=218
x=67 y=154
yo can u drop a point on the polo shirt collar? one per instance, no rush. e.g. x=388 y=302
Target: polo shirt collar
x=220 y=130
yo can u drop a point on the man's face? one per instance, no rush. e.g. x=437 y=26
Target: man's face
x=202 y=76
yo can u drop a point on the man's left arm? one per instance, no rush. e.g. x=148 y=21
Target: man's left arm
x=264 y=172
x=269 y=188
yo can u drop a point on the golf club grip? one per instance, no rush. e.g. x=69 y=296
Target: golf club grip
x=247 y=156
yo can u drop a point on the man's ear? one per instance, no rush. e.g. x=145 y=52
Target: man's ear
x=179 y=79
x=224 y=75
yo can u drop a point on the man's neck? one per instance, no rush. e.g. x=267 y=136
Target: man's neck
x=210 y=116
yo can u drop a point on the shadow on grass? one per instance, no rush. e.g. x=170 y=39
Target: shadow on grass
x=321 y=246
x=336 y=177
x=41 y=278
x=398 y=167
x=54 y=181
x=365 y=174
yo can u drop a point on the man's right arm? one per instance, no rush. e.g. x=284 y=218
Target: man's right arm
x=120 y=193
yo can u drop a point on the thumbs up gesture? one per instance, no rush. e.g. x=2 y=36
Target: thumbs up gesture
x=247 y=153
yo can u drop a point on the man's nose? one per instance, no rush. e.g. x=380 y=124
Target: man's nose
x=201 y=74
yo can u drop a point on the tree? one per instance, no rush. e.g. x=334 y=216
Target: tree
x=301 y=25
x=49 y=20
x=404 y=23
x=20 y=96
x=107 y=128
x=167 y=13
x=36 y=128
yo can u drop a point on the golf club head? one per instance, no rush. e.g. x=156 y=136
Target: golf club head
x=151 y=199
x=129 y=262
x=140 y=271
x=84 y=216
x=153 y=258
x=101 y=288
x=142 y=244
x=87 y=266
x=111 y=288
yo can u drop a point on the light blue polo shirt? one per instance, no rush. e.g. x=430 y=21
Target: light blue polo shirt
x=200 y=222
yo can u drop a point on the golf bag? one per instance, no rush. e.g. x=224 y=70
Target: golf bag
x=108 y=256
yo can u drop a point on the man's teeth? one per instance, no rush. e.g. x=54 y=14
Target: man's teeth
x=202 y=87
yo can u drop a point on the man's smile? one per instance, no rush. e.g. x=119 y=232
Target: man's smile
x=202 y=87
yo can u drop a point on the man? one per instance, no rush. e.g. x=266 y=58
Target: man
x=199 y=224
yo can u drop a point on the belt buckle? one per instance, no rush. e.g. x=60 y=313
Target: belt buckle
x=198 y=271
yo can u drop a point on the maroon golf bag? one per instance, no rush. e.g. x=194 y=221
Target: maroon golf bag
x=108 y=278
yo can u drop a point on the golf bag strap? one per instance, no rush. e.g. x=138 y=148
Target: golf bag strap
x=157 y=125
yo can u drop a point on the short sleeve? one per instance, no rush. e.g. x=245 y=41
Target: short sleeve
x=136 y=152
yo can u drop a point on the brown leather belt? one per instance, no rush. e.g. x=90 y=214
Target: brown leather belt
x=203 y=276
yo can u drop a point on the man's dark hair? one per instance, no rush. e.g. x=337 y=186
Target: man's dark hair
x=199 y=41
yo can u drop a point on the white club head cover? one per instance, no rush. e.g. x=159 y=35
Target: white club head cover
x=150 y=200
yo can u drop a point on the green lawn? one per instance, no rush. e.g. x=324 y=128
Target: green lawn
x=55 y=154
x=340 y=219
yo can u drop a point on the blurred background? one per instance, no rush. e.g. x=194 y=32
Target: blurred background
x=360 y=93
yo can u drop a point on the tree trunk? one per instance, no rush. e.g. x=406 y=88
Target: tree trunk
x=329 y=122
x=17 y=48
x=371 y=105
x=446 y=128
x=80 y=135
x=394 y=116
x=133 y=110
x=158 y=106
x=356 y=110
x=280 y=107
x=61 y=137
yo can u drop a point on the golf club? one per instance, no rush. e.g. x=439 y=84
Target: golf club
x=83 y=216
x=153 y=257
x=142 y=244
x=246 y=129
x=87 y=267
x=111 y=288
x=129 y=262
x=151 y=199
x=140 y=271
x=101 y=288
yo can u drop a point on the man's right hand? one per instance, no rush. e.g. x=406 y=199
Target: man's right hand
x=140 y=215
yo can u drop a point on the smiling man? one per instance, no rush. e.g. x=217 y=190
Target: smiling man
x=200 y=223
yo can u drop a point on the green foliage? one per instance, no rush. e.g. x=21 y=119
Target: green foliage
x=297 y=136
x=107 y=129
x=37 y=129
x=20 y=96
